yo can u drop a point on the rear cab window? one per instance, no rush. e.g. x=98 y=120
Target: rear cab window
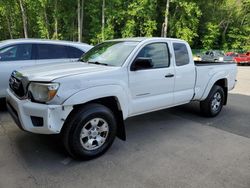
x=181 y=54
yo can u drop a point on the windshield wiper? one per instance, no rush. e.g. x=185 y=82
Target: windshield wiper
x=97 y=63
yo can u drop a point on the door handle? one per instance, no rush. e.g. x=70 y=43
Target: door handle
x=169 y=75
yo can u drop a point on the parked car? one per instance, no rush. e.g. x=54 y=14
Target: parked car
x=18 y=53
x=197 y=54
x=216 y=56
x=232 y=54
x=197 y=57
x=88 y=102
x=243 y=59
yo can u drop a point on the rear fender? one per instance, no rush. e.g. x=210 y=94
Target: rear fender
x=218 y=76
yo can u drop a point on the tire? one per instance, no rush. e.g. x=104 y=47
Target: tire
x=89 y=131
x=214 y=102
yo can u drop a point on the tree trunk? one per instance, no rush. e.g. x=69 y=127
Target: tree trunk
x=24 y=18
x=165 y=24
x=103 y=20
x=82 y=11
x=56 y=21
x=243 y=20
x=224 y=32
x=46 y=22
x=79 y=21
x=226 y=27
x=73 y=32
x=9 y=26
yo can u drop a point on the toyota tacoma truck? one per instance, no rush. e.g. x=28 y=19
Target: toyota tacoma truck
x=86 y=102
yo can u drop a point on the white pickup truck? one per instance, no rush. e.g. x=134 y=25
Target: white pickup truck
x=88 y=101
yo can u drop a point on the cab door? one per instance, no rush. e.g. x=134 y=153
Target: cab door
x=184 y=74
x=152 y=88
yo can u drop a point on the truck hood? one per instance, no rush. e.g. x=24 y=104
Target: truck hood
x=50 y=72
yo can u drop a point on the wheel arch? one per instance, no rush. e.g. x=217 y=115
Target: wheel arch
x=114 y=105
x=220 y=81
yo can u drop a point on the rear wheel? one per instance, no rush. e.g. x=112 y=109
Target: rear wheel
x=89 y=131
x=213 y=104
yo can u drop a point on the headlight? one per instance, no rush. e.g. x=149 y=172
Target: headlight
x=221 y=58
x=43 y=92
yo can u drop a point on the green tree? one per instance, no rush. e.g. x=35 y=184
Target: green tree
x=184 y=20
x=222 y=24
x=210 y=40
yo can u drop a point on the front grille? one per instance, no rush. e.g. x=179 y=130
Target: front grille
x=16 y=86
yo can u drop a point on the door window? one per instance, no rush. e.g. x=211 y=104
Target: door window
x=181 y=54
x=51 y=51
x=158 y=52
x=74 y=52
x=16 y=52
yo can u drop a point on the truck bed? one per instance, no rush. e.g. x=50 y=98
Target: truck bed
x=206 y=72
x=210 y=63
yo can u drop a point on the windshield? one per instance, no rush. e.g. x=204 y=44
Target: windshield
x=112 y=53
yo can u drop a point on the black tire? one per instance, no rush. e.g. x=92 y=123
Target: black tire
x=207 y=106
x=73 y=129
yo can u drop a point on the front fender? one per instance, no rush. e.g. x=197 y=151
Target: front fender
x=97 y=92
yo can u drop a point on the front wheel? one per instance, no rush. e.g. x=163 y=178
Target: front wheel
x=89 y=131
x=213 y=104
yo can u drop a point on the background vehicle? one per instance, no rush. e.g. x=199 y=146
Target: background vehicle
x=15 y=54
x=197 y=57
x=87 y=102
x=243 y=59
x=232 y=54
x=216 y=56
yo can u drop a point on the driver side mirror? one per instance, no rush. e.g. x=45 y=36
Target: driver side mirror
x=141 y=63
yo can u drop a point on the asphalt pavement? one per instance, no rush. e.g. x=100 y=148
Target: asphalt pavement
x=170 y=148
